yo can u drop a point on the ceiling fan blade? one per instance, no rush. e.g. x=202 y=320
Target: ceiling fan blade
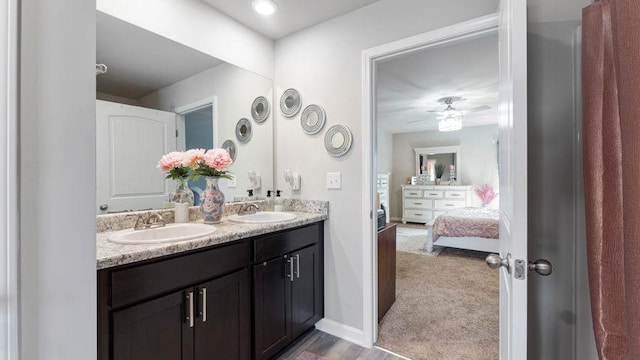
x=479 y=108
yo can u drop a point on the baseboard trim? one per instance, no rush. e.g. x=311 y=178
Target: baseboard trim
x=342 y=331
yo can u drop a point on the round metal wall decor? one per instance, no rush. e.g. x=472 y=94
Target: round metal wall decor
x=312 y=119
x=230 y=146
x=243 y=130
x=290 y=102
x=338 y=140
x=260 y=109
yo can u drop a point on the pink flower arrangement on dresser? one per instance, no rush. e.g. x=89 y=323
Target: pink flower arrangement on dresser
x=486 y=194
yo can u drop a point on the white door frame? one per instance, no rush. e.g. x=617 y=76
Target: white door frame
x=465 y=30
x=9 y=216
x=196 y=105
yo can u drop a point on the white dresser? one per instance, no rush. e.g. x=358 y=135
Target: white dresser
x=423 y=203
x=383 y=190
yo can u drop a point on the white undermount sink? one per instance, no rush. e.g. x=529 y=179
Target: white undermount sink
x=263 y=217
x=167 y=233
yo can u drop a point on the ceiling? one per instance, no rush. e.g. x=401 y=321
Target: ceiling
x=409 y=86
x=134 y=70
x=292 y=15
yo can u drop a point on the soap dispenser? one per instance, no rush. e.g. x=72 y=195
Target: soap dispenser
x=277 y=202
x=268 y=206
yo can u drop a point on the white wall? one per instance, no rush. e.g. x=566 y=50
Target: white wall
x=200 y=26
x=384 y=155
x=477 y=159
x=324 y=63
x=235 y=89
x=57 y=180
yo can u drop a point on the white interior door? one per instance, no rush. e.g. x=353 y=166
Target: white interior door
x=513 y=178
x=130 y=140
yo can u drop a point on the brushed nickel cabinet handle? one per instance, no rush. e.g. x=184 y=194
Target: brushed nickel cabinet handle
x=203 y=297
x=298 y=266
x=190 y=310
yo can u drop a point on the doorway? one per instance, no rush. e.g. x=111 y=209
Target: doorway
x=413 y=138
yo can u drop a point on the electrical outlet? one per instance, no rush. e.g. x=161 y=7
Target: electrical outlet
x=334 y=180
x=231 y=183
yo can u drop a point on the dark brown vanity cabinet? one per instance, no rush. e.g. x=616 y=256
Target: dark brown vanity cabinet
x=193 y=306
x=288 y=288
x=198 y=305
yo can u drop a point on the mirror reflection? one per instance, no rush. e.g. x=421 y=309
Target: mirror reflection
x=166 y=97
x=337 y=140
x=438 y=163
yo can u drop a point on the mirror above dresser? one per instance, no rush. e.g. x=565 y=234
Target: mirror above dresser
x=428 y=159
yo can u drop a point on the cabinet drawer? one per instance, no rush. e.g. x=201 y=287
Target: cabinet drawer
x=455 y=194
x=418 y=215
x=413 y=193
x=449 y=204
x=418 y=204
x=433 y=194
x=148 y=280
x=272 y=246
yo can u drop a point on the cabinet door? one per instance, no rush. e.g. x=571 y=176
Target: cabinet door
x=306 y=290
x=223 y=322
x=272 y=289
x=155 y=329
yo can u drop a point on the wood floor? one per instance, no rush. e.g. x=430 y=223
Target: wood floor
x=317 y=345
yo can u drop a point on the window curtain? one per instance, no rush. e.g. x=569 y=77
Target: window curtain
x=611 y=128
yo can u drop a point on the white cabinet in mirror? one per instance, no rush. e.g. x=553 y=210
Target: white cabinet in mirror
x=166 y=96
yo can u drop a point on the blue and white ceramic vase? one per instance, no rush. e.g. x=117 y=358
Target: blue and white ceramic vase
x=182 y=193
x=212 y=203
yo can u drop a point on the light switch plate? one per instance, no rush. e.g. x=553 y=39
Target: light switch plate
x=231 y=183
x=334 y=180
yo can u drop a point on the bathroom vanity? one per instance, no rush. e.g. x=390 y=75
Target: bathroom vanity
x=245 y=292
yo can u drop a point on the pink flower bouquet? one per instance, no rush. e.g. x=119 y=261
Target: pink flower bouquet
x=174 y=165
x=209 y=163
x=486 y=193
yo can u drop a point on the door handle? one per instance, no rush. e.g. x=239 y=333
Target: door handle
x=203 y=297
x=298 y=266
x=541 y=266
x=494 y=261
x=190 y=308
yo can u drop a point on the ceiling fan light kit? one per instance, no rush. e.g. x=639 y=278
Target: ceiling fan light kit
x=450 y=124
x=264 y=7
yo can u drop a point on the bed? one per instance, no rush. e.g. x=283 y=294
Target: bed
x=466 y=228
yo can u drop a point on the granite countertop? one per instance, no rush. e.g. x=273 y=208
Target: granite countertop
x=110 y=254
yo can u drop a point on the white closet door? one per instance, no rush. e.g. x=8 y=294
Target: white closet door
x=130 y=140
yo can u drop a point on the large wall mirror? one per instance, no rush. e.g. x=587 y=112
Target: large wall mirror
x=162 y=97
x=448 y=156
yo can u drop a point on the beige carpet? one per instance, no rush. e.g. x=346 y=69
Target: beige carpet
x=446 y=307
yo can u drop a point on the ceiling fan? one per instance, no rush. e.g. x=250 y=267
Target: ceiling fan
x=450 y=118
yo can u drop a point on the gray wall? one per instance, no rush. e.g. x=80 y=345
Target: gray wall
x=332 y=77
x=559 y=320
x=57 y=180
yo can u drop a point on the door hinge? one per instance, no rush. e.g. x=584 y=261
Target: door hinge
x=176 y=132
x=371 y=214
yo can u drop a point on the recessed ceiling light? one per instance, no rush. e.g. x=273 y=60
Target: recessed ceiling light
x=264 y=7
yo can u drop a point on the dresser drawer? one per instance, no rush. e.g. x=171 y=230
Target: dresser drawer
x=413 y=193
x=433 y=194
x=418 y=215
x=418 y=204
x=455 y=194
x=449 y=204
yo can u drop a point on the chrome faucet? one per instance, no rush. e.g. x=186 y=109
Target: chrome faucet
x=152 y=221
x=248 y=209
